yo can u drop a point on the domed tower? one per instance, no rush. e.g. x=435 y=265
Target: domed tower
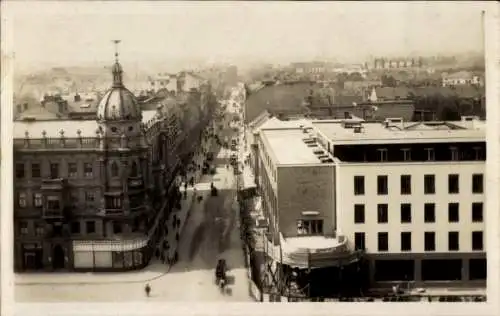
x=123 y=159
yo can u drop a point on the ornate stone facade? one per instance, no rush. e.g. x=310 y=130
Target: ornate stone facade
x=90 y=194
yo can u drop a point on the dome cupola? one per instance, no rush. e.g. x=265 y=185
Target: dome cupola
x=118 y=103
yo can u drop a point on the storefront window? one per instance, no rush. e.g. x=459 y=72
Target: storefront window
x=118 y=259
x=137 y=258
x=128 y=258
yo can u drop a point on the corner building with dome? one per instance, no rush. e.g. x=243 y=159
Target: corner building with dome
x=93 y=195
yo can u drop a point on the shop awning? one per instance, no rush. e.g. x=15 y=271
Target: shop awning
x=110 y=245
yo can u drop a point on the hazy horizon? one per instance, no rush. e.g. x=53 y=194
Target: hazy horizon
x=182 y=34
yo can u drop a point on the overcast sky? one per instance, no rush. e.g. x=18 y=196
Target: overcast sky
x=62 y=33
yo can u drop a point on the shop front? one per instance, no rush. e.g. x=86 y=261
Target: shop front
x=111 y=255
x=31 y=256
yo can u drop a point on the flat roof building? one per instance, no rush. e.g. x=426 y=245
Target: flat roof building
x=408 y=196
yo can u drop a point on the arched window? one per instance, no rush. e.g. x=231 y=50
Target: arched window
x=133 y=169
x=114 y=170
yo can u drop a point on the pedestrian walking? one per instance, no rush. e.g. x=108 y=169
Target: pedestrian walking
x=147 y=289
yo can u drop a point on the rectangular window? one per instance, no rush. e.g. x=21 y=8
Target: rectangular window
x=406 y=213
x=382 y=185
x=405 y=184
x=478 y=153
x=20 y=171
x=359 y=213
x=382 y=154
x=88 y=170
x=75 y=227
x=383 y=241
x=359 y=185
x=477 y=183
x=90 y=227
x=406 y=154
x=454 y=153
x=21 y=199
x=453 y=213
x=477 y=241
x=431 y=156
x=116 y=202
x=477 y=212
x=39 y=229
x=89 y=196
x=35 y=170
x=382 y=213
x=429 y=184
x=453 y=184
x=406 y=241
x=453 y=242
x=429 y=241
x=310 y=227
x=429 y=213
x=359 y=241
x=117 y=228
x=23 y=228
x=72 y=170
x=38 y=200
x=53 y=203
x=54 y=170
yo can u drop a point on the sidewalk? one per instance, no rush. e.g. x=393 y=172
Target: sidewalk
x=183 y=214
x=154 y=270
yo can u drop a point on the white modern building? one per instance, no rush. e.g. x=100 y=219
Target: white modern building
x=408 y=195
x=461 y=78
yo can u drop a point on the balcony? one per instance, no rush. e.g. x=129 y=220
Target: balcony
x=54 y=214
x=53 y=184
x=111 y=212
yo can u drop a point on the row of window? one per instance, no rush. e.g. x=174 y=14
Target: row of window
x=429 y=184
x=477 y=213
x=72 y=170
x=429 y=241
x=88 y=227
x=37 y=202
x=455 y=154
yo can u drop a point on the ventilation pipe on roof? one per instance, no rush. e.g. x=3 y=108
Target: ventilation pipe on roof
x=394 y=122
x=468 y=121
